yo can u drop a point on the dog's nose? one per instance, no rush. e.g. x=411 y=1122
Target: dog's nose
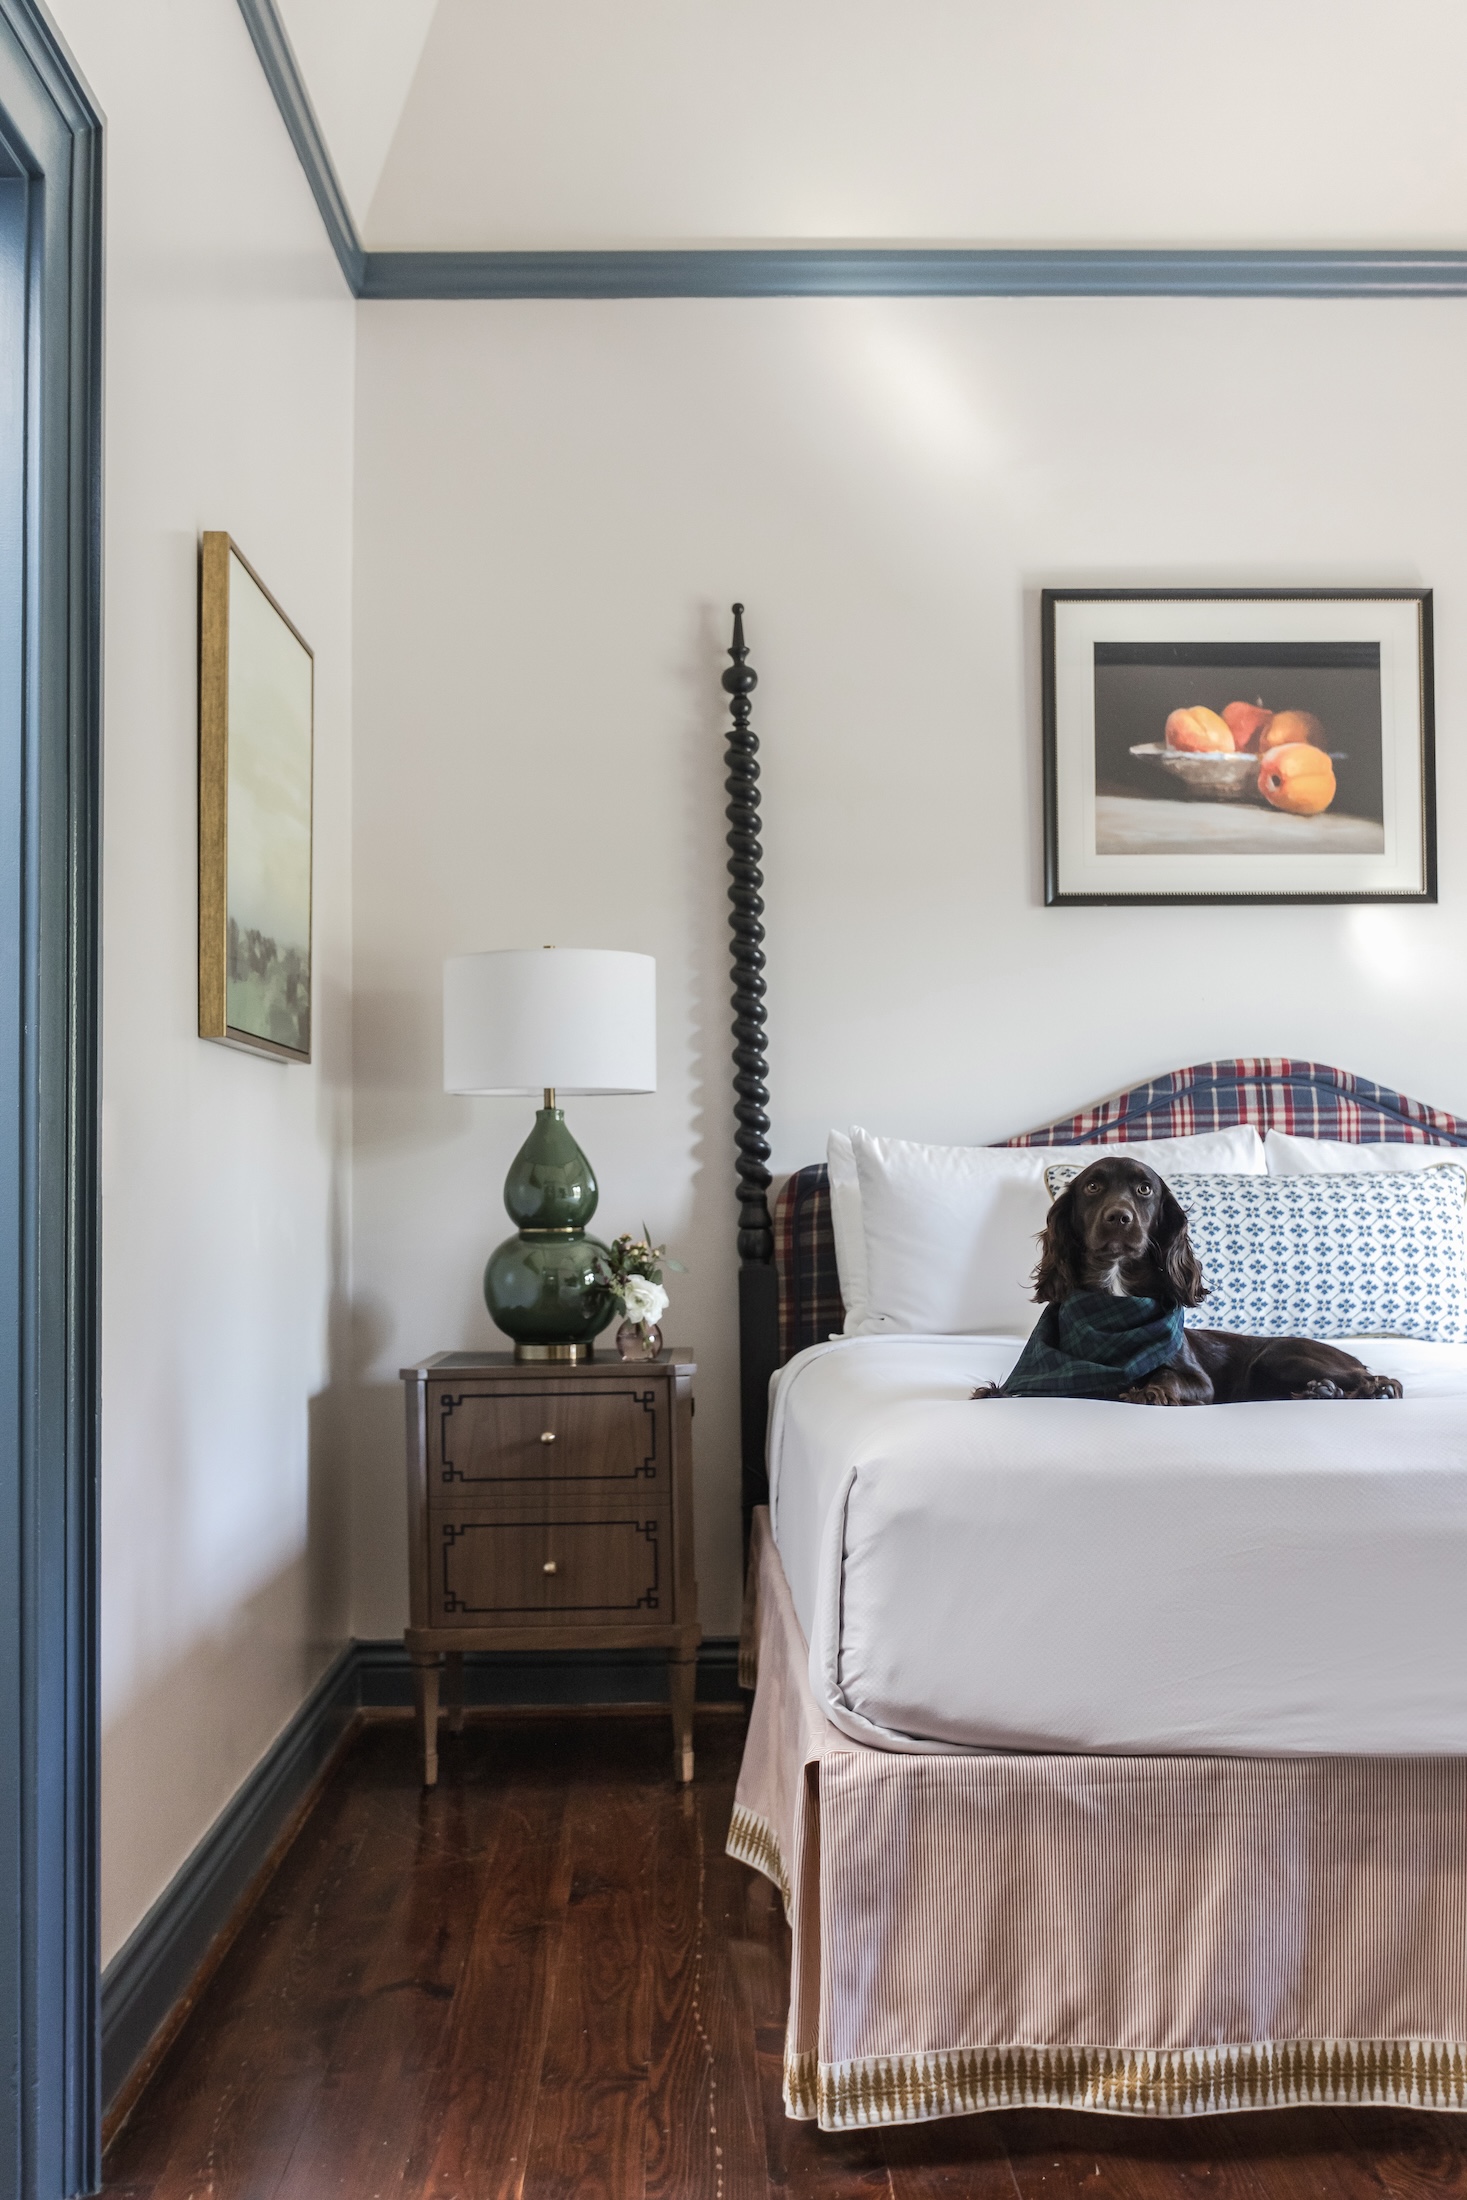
x=1118 y=1218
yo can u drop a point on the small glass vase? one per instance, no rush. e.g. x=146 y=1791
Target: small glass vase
x=639 y=1340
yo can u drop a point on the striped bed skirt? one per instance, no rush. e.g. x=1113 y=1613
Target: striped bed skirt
x=1139 y=1936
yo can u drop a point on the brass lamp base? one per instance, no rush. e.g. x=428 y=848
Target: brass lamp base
x=563 y=1352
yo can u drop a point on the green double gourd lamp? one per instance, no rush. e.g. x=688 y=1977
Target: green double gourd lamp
x=552 y=1020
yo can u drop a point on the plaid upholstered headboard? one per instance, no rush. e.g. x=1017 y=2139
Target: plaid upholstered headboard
x=1307 y=1098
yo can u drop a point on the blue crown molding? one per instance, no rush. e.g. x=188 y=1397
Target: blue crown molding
x=282 y=73
x=907 y=271
x=824 y=271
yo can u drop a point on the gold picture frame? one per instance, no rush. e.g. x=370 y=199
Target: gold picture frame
x=256 y=803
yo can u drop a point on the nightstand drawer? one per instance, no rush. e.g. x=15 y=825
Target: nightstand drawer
x=485 y=1440
x=525 y=1572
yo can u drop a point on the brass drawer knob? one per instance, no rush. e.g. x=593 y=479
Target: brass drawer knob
x=548 y=1437
x=550 y=1567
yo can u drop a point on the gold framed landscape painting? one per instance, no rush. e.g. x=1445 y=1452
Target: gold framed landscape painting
x=1238 y=745
x=256 y=709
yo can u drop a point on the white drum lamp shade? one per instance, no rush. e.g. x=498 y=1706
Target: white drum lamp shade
x=580 y=1019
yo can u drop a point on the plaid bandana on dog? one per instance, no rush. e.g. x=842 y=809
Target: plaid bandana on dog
x=1095 y=1346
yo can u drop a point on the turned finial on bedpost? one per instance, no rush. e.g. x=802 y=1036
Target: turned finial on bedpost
x=758 y=1290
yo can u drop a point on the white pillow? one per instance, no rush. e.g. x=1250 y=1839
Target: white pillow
x=1328 y=1253
x=951 y=1232
x=845 y=1223
x=1290 y=1156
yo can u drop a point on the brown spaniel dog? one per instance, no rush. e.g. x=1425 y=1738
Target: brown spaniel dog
x=1118 y=1229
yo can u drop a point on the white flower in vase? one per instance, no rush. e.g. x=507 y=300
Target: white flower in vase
x=642 y=1300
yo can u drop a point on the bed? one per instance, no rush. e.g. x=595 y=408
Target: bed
x=1087 y=1782
x=1255 y=1580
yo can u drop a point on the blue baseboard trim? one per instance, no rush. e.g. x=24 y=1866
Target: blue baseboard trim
x=552 y=1677
x=154 y=1965
x=153 y=1969
x=823 y=271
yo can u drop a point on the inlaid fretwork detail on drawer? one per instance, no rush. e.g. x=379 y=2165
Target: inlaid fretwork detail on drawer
x=524 y=1569
x=547 y=1435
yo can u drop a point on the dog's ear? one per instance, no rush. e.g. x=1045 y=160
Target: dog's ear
x=1179 y=1264
x=1057 y=1276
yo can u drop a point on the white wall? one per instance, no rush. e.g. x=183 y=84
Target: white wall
x=556 y=504
x=226 y=1193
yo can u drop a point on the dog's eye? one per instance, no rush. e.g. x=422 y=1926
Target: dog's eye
x=1095 y=1185
x=1142 y=1191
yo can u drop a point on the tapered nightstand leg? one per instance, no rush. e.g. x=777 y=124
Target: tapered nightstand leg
x=682 y=1675
x=426 y=1668
x=453 y=1689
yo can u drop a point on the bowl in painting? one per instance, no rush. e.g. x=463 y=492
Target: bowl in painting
x=1205 y=774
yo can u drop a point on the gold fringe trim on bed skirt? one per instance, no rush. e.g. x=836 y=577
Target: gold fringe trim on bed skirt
x=1194 y=2081
x=753 y=1841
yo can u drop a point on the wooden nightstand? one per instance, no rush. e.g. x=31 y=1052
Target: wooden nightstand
x=550 y=1507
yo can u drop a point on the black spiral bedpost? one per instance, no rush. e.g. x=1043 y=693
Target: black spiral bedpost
x=758 y=1287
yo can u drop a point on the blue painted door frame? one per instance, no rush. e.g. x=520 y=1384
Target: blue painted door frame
x=50 y=329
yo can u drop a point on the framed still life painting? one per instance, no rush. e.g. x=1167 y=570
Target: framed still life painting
x=1238 y=745
x=256 y=699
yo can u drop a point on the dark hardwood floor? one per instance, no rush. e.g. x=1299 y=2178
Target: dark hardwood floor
x=546 y=1979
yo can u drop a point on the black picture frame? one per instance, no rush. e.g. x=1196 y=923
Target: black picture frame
x=1097 y=831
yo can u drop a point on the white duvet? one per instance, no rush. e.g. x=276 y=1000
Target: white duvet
x=1058 y=1574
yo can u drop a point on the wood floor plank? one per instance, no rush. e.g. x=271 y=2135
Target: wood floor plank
x=362 y=2130
x=956 y=2158
x=588 y=2139
x=732 y=2040
x=1053 y=2155
x=1406 y=2153
x=1289 y=2154
x=704 y=2124
x=761 y=1948
x=1297 y=2153
x=684 y=2145
x=480 y=2113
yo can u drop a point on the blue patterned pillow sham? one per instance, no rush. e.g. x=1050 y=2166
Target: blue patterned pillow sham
x=1326 y=1256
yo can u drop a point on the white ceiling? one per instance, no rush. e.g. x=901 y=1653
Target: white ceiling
x=563 y=123
x=358 y=59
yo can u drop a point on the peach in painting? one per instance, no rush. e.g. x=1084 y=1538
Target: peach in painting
x=1199 y=729
x=1297 y=777
x=1289 y=726
x=1245 y=721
